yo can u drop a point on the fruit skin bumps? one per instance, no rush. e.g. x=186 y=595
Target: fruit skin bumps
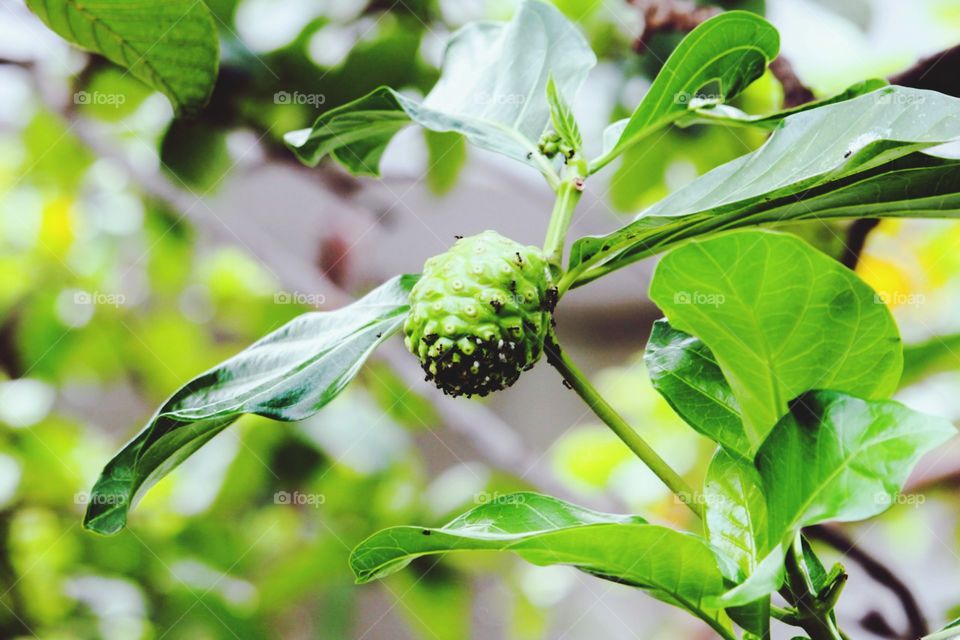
x=480 y=313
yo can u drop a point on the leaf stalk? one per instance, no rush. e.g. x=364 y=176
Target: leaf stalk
x=812 y=616
x=634 y=441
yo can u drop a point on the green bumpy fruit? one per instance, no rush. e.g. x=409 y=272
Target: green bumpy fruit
x=480 y=313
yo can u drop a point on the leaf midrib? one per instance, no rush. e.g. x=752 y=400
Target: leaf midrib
x=196 y=413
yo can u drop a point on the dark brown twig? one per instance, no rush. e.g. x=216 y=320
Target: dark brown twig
x=669 y=16
x=878 y=625
x=937 y=73
x=10 y=361
x=795 y=92
x=856 y=240
x=26 y=64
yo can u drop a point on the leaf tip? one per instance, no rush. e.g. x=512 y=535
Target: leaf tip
x=296 y=138
x=104 y=524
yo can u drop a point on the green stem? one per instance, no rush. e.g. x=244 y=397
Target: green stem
x=567 y=197
x=798 y=591
x=575 y=378
x=788 y=616
x=601 y=162
x=652 y=127
x=567 y=281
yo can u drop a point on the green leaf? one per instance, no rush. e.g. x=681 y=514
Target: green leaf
x=812 y=567
x=561 y=115
x=677 y=568
x=684 y=371
x=355 y=134
x=172 y=46
x=736 y=510
x=836 y=161
x=766 y=579
x=780 y=318
x=917 y=186
x=735 y=522
x=446 y=155
x=492 y=90
x=720 y=57
x=731 y=116
x=840 y=458
x=287 y=375
x=835 y=457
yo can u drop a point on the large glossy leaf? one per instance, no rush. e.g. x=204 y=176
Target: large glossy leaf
x=836 y=161
x=720 y=58
x=838 y=457
x=781 y=318
x=493 y=90
x=288 y=375
x=835 y=457
x=684 y=371
x=675 y=567
x=172 y=46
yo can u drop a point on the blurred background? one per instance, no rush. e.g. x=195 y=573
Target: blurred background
x=137 y=250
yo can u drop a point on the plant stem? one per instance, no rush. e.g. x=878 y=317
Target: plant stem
x=575 y=378
x=545 y=167
x=788 y=616
x=568 y=195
